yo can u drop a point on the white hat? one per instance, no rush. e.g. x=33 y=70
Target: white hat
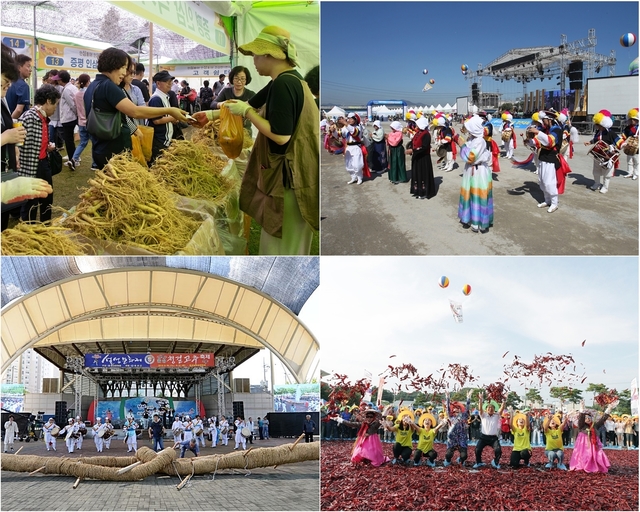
x=70 y=419
x=378 y=124
x=474 y=126
x=422 y=123
x=396 y=126
x=78 y=418
x=98 y=419
x=50 y=419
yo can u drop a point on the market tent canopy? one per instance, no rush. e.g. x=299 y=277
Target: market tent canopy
x=336 y=111
x=383 y=111
x=73 y=306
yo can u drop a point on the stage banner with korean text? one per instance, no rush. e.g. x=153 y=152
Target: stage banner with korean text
x=67 y=56
x=22 y=45
x=149 y=360
x=199 y=70
x=193 y=20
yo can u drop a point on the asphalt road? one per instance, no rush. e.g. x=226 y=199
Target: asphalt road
x=379 y=218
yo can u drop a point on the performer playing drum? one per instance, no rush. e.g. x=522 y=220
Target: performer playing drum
x=108 y=434
x=198 y=430
x=224 y=431
x=177 y=428
x=508 y=134
x=240 y=439
x=50 y=430
x=98 y=432
x=630 y=144
x=70 y=433
x=130 y=439
x=604 y=168
x=188 y=428
x=213 y=431
x=82 y=431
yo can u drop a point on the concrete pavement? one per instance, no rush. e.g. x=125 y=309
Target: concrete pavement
x=379 y=218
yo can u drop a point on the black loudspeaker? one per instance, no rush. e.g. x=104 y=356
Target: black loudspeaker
x=474 y=93
x=61 y=414
x=575 y=75
x=238 y=410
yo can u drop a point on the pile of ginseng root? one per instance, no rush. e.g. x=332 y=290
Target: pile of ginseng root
x=191 y=170
x=37 y=239
x=128 y=205
x=146 y=462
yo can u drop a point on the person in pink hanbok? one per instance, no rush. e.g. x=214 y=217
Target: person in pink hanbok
x=368 y=446
x=588 y=455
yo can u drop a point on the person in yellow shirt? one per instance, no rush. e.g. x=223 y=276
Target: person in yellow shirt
x=520 y=428
x=554 y=450
x=426 y=437
x=404 y=445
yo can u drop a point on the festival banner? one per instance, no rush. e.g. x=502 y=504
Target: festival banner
x=118 y=410
x=22 y=45
x=193 y=20
x=197 y=70
x=67 y=56
x=149 y=360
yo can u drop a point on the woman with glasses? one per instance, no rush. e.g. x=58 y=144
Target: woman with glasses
x=239 y=78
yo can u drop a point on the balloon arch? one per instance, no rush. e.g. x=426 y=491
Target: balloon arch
x=387 y=103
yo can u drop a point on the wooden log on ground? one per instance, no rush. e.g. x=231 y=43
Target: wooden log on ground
x=37 y=470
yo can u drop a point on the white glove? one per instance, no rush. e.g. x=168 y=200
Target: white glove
x=339 y=419
x=611 y=406
x=238 y=108
x=19 y=189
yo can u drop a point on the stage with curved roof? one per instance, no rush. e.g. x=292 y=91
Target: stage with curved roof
x=233 y=307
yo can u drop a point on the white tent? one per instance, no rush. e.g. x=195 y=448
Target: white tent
x=335 y=112
x=448 y=108
x=431 y=108
x=383 y=111
x=439 y=108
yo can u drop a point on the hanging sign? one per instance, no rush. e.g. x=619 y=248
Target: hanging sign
x=67 y=56
x=149 y=360
x=199 y=70
x=22 y=45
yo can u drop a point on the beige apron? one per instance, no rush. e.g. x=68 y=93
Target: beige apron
x=262 y=195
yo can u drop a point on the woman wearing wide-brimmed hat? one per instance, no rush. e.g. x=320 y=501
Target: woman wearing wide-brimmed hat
x=280 y=187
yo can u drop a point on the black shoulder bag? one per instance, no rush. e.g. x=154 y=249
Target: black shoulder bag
x=103 y=125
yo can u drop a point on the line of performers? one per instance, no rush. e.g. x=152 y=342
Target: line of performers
x=587 y=454
x=219 y=431
x=73 y=434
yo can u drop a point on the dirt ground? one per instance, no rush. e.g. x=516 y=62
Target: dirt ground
x=379 y=218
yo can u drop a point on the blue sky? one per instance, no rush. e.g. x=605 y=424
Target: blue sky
x=374 y=307
x=377 y=50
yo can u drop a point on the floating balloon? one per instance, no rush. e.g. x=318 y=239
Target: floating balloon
x=466 y=289
x=633 y=67
x=628 y=39
x=432 y=81
x=425 y=71
x=464 y=67
x=464 y=73
x=444 y=282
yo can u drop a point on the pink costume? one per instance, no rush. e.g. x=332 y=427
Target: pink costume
x=587 y=454
x=368 y=445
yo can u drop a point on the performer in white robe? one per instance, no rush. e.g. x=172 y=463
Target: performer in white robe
x=240 y=439
x=99 y=426
x=69 y=432
x=213 y=430
x=177 y=426
x=49 y=440
x=224 y=431
x=10 y=433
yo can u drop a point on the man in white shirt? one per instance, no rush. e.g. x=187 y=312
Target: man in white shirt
x=489 y=431
x=162 y=126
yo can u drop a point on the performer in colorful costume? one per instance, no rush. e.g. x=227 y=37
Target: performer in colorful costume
x=604 y=121
x=587 y=453
x=631 y=132
x=546 y=139
x=367 y=446
x=508 y=134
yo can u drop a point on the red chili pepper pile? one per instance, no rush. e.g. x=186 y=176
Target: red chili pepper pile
x=607 y=397
x=345 y=486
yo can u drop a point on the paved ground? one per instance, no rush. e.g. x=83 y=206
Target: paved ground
x=289 y=487
x=379 y=218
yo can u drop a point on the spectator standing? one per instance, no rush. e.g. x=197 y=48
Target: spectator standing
x=163 y=126
x=266 y=427
x=219 y=85
x=18 y=97
x=139 y=83
x=34 y=161
x=56 y=134
x=175 y=87
x=83 y=80
x=261 y=428
x=105 y=93
x=206 y=96
x=156 y=429
x=307 y=428
x=68 y=116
